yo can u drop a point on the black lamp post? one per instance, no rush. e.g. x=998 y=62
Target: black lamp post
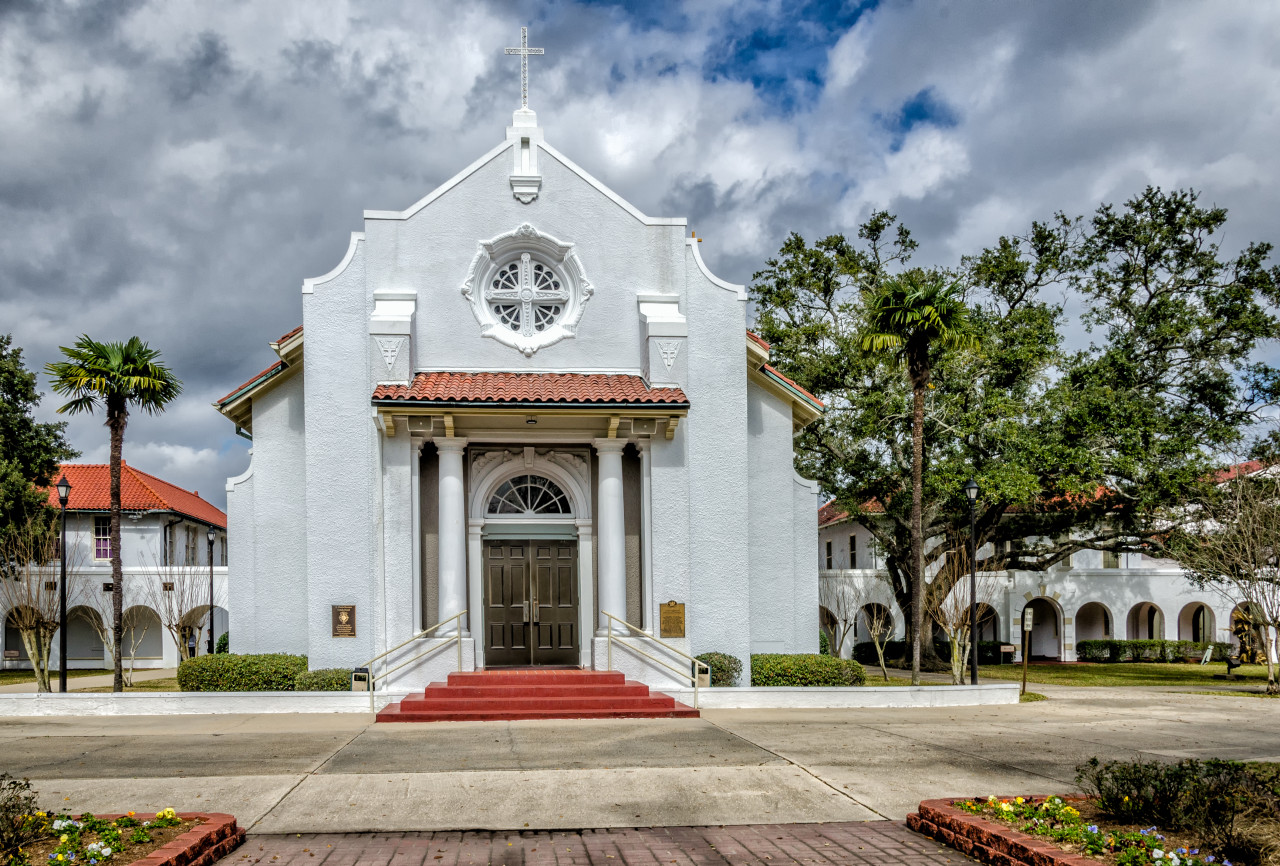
x=971 y=494
x=64 y=493
x=210 y=534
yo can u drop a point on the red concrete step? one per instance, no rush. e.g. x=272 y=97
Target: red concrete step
x=598 y=702
x=393 y=713
x=535 y=694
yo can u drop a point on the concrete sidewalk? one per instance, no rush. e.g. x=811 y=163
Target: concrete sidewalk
x=339 y=773
x=75 y=684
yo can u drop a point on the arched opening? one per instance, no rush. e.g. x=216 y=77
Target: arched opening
x=143 y=635
x=830 y=627
x=1146 y=622
x=193 y=632
x=14 y=649
x=1046 y=630
x=874 y=620
x=988 y=624
x=1094 y=622
x=85 y=631
x=1195 y=623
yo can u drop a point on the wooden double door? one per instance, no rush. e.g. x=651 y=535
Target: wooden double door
x=531 y=603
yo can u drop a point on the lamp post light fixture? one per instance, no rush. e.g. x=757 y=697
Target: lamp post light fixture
x=210 y=535
x=971 y=494
x=64 y=493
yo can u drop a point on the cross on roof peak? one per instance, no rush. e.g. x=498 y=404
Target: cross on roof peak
x=524 y=51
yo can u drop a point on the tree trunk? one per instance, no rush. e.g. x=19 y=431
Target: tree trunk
x=117 y=418
x=917 y=527
x=957 y=659
x=38 y=643
x=884 y=671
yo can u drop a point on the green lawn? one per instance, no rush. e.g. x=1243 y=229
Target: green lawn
x=11 y=678
x=1126 y=674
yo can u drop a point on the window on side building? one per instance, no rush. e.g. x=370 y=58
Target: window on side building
x=853 y=551
x=828 y=555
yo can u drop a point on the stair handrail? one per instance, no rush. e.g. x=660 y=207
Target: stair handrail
x=457 y=638
x=698 y=664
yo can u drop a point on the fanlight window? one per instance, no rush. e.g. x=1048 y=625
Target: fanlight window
x=529 y=494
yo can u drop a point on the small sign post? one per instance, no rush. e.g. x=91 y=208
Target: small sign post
x=1028 y=618
x=671 y=620
x=344 y=620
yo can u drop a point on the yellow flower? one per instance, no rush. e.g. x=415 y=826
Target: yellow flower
x=1126 y=798
x=131 y=814
x=1019 y=801
x=59 y=856
x=63 y=838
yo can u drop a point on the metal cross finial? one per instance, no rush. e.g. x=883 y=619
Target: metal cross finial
x=524 y=51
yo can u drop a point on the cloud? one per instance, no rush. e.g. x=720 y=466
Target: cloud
x=176 y=169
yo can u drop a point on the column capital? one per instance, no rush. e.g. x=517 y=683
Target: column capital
x=609 y=445
x=450 y=443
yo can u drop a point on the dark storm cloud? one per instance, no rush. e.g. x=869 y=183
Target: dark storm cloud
x=176 y=169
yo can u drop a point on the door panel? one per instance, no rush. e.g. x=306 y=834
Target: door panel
x=545 y=575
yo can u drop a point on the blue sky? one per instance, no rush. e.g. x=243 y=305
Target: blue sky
x=176 y=169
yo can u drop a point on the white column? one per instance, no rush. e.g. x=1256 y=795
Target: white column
x=611 y=532
x=646 y=536
x=586 y=590
x=453 y=531
x=475 y=570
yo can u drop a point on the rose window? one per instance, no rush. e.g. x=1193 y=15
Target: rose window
x=526 y=296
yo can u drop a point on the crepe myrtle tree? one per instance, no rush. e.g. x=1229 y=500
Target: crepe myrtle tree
x=1096 y=447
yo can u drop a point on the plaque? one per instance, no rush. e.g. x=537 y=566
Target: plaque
x=671 y=620
x=344 y=620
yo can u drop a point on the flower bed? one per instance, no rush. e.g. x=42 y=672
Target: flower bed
x=168 y=839
x=1050 y=831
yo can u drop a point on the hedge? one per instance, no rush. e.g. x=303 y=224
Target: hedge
x=226 y=672
x=1148 y=650
x=324 y=680
x=770 y=669
x=224 y=643
x=725 y=669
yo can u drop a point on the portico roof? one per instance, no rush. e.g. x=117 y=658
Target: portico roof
x=531 y=389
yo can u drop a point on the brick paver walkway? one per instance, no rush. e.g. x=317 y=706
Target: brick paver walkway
x=874 y=843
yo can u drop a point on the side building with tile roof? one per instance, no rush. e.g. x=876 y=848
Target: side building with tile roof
x=520 y=407
x=164 y=542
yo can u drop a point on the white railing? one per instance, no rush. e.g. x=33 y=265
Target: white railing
x=696 y=668
x=457 y=638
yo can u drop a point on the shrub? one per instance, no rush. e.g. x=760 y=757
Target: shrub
x=17 y=801
x=1148 y=650
x=824 y=643
x=1210 y=799
x=224 y=643
x=269 y=672
x=725 y=669
x=324 y=680
x=769 y=669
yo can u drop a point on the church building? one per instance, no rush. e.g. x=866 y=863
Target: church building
x=525 y=411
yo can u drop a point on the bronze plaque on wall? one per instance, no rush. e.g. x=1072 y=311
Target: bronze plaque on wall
x=344 y=620
x=671 y=620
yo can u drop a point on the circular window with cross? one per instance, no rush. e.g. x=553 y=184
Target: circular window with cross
x=527 y=289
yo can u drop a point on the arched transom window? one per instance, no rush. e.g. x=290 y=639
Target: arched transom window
x=529 y=494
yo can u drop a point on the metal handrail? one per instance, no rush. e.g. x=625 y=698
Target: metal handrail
x=698 y=664
x=428 y=651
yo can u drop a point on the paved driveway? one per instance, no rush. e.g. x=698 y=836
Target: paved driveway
x=310 y=774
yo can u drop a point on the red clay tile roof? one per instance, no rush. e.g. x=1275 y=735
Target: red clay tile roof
x=812 y=399
x=1247 y=468
x=139 y=491
x=296 y=330
x=756 y=338
x=532 y=388
x=832 y=513
x=253 y=380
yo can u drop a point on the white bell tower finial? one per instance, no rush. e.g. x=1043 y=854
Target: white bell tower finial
x=524 y=51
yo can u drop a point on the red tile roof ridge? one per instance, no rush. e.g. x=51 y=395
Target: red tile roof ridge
x=139 y=491
x=759 y=339
x=284 y=337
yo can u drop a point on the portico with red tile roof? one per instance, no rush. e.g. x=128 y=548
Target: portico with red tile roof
x=520 y=407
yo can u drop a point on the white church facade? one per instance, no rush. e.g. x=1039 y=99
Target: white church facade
x=517 y=408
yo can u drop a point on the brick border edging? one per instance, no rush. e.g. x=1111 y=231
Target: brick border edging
x=992 y=843
x=202 y=845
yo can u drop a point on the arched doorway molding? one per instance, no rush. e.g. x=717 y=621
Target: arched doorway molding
x=84 y=636
x=1047 y=629
x=1094 y=621
x=568 y=469
x=988 y=623
x=143 y=636
x=1196 y=623
x=1145 y=622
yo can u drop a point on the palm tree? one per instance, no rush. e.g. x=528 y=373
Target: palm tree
x=911 y=313
x=114 y=376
